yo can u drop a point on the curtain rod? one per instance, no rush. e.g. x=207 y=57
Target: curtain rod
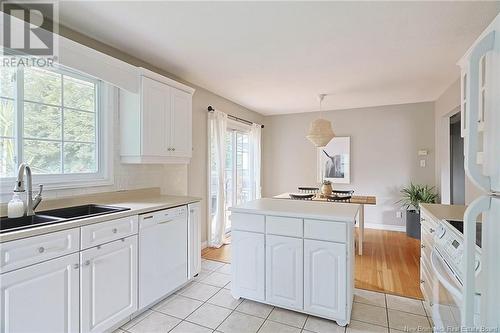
x=248 y=122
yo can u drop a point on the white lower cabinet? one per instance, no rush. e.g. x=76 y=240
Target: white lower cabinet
x=284 y=271
x=248 y=269
x=41 y=298
x=194 y=239
x=275 y=262
x=325 y=274
x=108 y=284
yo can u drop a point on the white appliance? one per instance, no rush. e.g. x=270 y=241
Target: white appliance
x=446 y=296
x=481 y=130
x=163 y=254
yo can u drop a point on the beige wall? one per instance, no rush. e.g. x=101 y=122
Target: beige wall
x=445 y=106
x=174 y=179
x=384 y=145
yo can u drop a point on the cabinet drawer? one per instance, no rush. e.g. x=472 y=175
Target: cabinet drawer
x=284 y=226
x=32 y=250
x=428 y=223
x=325 y=230
x=247 y=222
x=99 y=233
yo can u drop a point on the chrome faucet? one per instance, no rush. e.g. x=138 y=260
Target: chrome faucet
x=32 y=203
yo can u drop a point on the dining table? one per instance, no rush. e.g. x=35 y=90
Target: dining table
x=361 y=200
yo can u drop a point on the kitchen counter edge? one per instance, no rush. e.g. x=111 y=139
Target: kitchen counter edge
x=137 y=207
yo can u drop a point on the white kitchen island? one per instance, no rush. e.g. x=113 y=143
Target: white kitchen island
x=296 y=255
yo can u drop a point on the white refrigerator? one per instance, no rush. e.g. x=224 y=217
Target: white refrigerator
x=481 y=131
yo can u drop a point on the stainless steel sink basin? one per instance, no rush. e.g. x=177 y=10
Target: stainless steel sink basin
x=56 y=216
x=76 y=212
x=24 y=222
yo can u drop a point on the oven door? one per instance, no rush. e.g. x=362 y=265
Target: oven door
x=446 y=295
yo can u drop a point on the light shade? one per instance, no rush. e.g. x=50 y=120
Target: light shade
x=320 y=132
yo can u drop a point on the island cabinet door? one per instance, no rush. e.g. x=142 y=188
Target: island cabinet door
x=248 y=265
x=325 y=275
x=284 y=271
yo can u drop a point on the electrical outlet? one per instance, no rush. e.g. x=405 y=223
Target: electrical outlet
x=422 y=163
x=399 y=214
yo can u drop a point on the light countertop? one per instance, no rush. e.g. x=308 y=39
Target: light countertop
x=448 y=212
x=299 y=208
x=139 y=202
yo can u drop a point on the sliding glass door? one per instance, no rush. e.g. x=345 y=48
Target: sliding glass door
x=237 y=182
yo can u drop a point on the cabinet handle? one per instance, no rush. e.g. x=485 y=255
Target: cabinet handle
x=87 y=262
x=41 y=249
x=431 y=230
x=115 y=230
x=148 y=217
x=422 y=246
x=422 y=281
x=169 y=149
x=162 y=222
x=173 y=149
x=76 y=266
x=422 y=219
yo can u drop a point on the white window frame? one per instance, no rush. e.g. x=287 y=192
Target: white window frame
x=107 y=100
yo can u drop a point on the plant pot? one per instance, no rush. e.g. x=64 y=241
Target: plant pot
x=413 y=223
x=326 y=189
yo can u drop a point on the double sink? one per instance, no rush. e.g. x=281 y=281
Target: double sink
x=56 y=216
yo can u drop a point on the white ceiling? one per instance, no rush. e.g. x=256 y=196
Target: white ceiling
x=275 y=57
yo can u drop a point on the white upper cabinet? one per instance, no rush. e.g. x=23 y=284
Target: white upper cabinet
x=156 y=124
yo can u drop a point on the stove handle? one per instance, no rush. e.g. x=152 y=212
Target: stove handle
x=439 y=268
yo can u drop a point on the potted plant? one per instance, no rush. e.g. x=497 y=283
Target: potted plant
x=413 y=196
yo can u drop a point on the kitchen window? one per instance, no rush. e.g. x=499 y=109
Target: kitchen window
x=51 y=119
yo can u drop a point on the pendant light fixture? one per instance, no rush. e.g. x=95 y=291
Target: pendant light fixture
x=320 y=130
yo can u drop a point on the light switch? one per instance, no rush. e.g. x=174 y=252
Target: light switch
x=422 y=163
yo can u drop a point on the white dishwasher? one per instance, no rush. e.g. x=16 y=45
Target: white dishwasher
x=163 y=258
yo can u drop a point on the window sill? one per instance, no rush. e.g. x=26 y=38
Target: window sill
x=7 y=185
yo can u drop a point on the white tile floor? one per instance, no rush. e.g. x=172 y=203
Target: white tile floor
x=206 y=305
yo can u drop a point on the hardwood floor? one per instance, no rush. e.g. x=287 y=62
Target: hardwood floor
x=390 y=263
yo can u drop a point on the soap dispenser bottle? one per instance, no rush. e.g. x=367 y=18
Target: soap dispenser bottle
x=15 y=208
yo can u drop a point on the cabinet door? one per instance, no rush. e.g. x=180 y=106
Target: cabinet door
x=41 y=298
x=181 y=126
x=284 y=271
x=155 y=117
x=108 y=284
x=325 y=278
x=194 y=239
x=248 y=265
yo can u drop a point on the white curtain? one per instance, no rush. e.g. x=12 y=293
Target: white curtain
x=255 y=157
x=217 y=124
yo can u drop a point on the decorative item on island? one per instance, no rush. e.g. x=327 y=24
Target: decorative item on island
x=414 y=195
x=326 y=188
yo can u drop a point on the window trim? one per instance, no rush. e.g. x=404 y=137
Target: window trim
x=107 y=99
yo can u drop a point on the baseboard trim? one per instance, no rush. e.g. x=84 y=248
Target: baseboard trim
x=388 y=227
